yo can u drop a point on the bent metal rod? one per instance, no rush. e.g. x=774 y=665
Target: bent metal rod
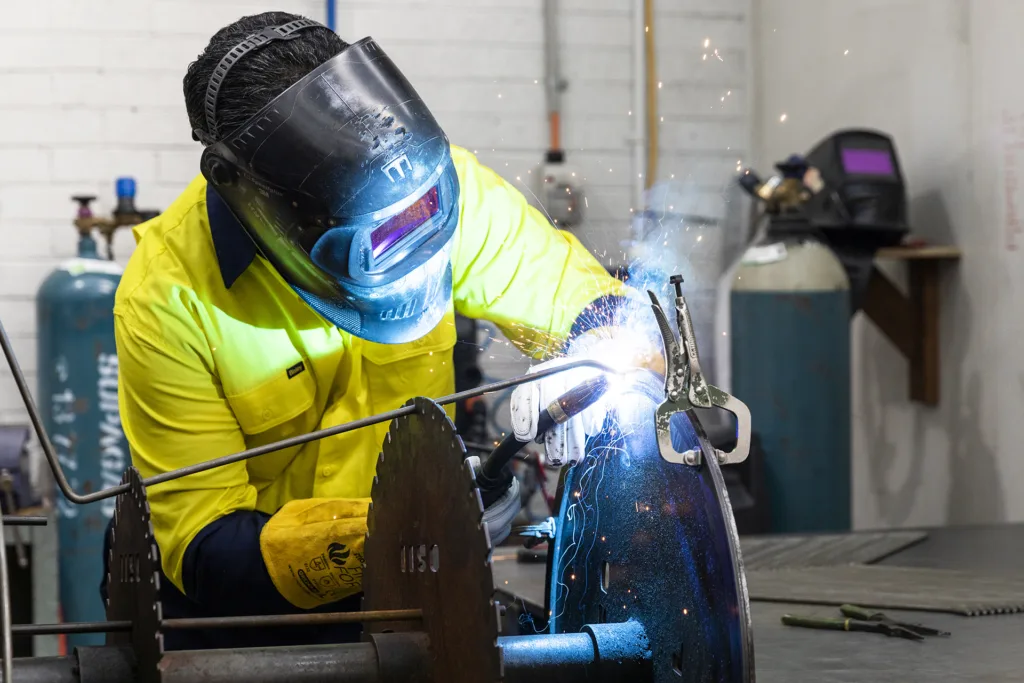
x=62 y=483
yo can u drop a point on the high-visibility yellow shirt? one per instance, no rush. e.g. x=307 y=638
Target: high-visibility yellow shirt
x=207 y=370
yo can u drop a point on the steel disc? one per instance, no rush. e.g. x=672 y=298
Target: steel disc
x=427 y=547
x=641 y=538
x=133 y=579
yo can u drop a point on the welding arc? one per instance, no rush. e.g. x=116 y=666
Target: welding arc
x=573 y=402
x=79 y=499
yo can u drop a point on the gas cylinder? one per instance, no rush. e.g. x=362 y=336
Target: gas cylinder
x=790 y=328
x=78 y=399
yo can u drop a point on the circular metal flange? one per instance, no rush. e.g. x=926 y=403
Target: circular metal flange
x=641 y=538
x=133 y=579
x=427 y=547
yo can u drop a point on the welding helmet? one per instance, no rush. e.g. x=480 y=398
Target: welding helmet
x=346 y=185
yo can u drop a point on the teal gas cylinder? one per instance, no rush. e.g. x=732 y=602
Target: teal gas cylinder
x=790 y=328
x=78 y=399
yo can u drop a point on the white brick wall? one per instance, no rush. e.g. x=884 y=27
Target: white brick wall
x=92 y=90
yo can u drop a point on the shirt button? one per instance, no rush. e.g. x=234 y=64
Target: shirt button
x=328 y=471
x=268 y=413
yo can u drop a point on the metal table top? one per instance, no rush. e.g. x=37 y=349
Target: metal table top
x=980 y=649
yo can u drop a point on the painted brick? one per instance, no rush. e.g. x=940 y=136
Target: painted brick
x=49 y=50
x=31 y=239
x=49 y=125
x=119 y=88
x=178 y=165
x=47 y=202
x=17 y=316
x=146 y=126
x=200 y=17
x=108 y=16
x=103 y=164
x=25 y=165
x=148 y=52
x=26 y=15
x=11 y=405
x=26 y=88
x=22 y=278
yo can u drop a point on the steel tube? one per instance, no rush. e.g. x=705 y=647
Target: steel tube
x=46 y=670
x=602 y=652
x=295 y=619
x=5 y=604
x=24 y=520
x=352 y=663
x=71 y=627
x=559 y=658
x=62 y=483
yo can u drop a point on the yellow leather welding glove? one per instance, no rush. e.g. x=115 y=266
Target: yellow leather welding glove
x=313 y=549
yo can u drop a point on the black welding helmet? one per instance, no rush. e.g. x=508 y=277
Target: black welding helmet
x=346 y=185
x=864 y=199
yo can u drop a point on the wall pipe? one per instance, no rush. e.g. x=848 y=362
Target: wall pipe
x=332 y=14
x=638 y=114
x=553 y=81
x=651 y=69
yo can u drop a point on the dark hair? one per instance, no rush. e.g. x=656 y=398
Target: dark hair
x=259 y=76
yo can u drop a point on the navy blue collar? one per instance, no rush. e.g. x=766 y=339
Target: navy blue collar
x=235 y=249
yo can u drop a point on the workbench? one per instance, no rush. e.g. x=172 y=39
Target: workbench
x=984 y=648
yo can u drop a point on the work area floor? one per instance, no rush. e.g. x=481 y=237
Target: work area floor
x=981 y=648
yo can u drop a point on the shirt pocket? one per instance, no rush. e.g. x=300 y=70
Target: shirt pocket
x=278 y=400
x=397 y=372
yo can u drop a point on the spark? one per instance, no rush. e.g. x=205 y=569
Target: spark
x=782 y=119
x=685 y=611
x=707 y=42
x=705 y=58
x=659 y=85
x=846 y=52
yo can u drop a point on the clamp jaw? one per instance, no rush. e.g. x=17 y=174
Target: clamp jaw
x=686 y=388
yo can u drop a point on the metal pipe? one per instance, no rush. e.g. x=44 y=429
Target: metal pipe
x=5 y=603
x=639 y=115
x=71 y=627
x=554 y=85
x=601 y=652
x=47 y=670
x=563 y=657
x=295 y=619
x=351 y=663
x=224 y=622
x=78 y=499
x=24 y=520
x=332 y=15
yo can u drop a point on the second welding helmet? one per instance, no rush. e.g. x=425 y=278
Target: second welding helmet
x=346 y=185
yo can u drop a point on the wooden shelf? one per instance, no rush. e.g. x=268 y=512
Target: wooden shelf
x=912 y=322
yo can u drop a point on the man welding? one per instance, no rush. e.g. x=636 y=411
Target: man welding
x=310 y=276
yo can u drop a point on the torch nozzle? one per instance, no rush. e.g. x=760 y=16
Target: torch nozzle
x=573 y=402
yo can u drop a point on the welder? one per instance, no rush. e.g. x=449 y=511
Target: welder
x=310 y=276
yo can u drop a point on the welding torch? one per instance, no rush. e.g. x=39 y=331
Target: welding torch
x=493 y=477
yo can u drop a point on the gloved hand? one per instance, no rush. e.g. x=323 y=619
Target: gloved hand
x=313 y=549
x=500 y=509
x=564 y=444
